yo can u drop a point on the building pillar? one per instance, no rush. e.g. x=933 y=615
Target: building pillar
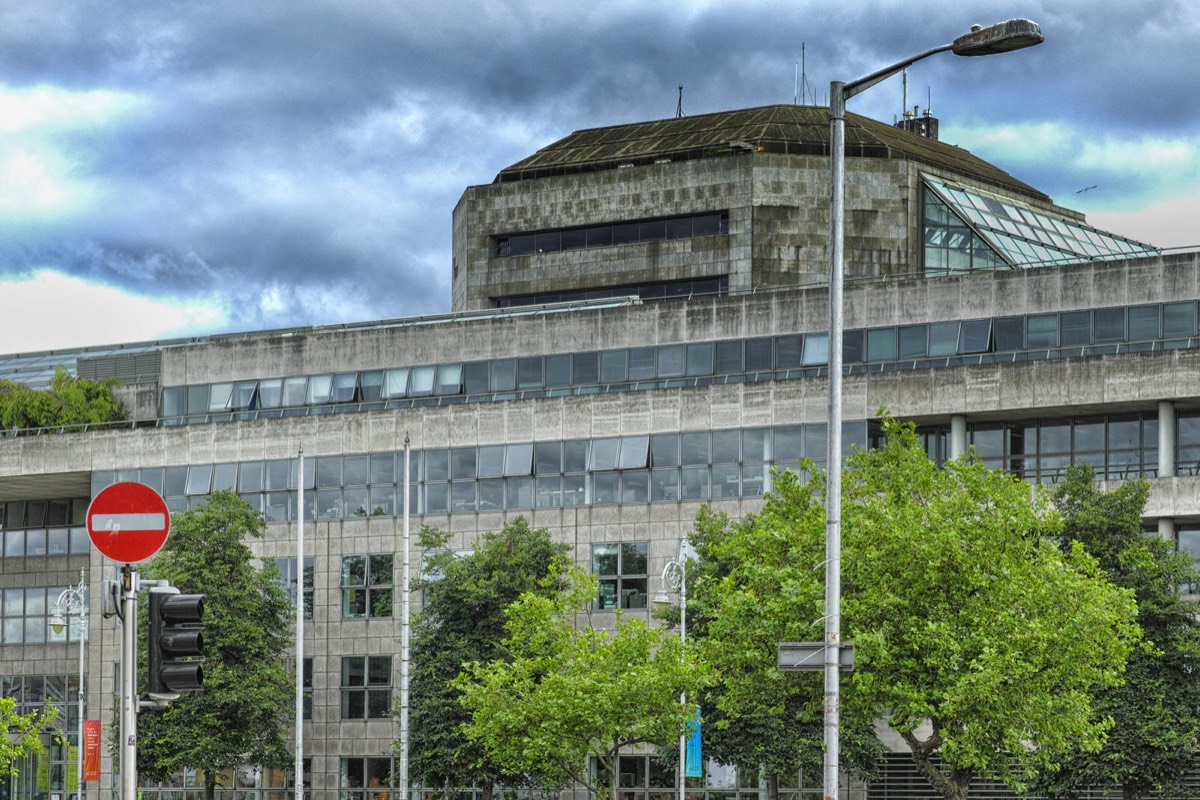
x=958 y=436
x=1166 y=439
x=1166 y=529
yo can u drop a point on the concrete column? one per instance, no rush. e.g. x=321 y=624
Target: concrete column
x=1166 y=528
x=958 y=436
x=1166 y=439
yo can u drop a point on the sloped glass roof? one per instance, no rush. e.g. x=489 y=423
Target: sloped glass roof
x=1031 y=237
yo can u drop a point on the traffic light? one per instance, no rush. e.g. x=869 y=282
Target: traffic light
x=176 y=638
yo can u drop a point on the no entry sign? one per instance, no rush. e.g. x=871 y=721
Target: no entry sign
x=128 y=522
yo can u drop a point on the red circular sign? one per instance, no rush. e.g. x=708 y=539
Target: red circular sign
x=128 y=522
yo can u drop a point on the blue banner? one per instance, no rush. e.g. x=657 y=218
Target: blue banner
x=695 y=767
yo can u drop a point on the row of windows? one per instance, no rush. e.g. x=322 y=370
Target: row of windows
x=43 y=513
x=1053 y=335
x=657 y=290
x=35 y=542
x=26 y=615
x=654 y=230
x=648 y=468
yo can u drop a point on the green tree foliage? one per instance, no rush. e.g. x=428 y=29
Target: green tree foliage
x=756 y=716
x=243 y=713
x=569 y=690
x=463 y=621
x=67 y=401
x=953 y=588
x=19 y=737
x=1157 y=711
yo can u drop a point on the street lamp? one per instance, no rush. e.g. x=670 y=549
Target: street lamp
x=1002 y=37
x=73 y=602
x=674 y=574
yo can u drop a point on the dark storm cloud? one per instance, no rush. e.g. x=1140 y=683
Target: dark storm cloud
x=299 y=151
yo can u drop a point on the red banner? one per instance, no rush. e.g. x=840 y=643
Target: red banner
x=91 y=749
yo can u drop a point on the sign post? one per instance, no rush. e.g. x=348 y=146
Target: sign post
x=128 y=523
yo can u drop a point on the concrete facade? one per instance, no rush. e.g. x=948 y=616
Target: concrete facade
x=773 y=256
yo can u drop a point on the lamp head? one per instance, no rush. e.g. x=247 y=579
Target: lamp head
x=661 y=601
x=1003 y=37
x=58 y=622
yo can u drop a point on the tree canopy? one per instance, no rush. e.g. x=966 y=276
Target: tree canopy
x=67 y=401
x=20 y=733
x=243 y=713
x=952 y=591
x=756 y=716
x=569 y=691
x=1156 y=712
x=463 y=618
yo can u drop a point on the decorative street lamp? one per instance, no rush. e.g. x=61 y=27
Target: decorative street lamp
x=674 y=574
x=72 y=602
x=1002 y=37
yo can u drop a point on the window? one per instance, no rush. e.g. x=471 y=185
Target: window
x=622 y=570
x=366 y=779
x=287 y=579
x=366 y=687
x=25 y=616
x=366 y=586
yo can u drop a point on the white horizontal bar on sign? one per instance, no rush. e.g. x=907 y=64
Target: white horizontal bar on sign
x=129 y=522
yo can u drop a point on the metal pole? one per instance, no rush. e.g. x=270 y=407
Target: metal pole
x=682 y=695
x=404 y=631
x=299 y=768
x=129 y=699
x=79 y=790
x=833 y=454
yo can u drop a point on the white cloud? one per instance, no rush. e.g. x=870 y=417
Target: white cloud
x=1169 y=222
x=47 y=310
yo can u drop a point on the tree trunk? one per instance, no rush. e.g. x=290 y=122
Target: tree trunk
x=772 y=786
x=488 y=790
x=210 y=787
x=951 y=784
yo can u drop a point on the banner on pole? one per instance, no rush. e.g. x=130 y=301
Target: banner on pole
x=91 y=749
x=695 y=766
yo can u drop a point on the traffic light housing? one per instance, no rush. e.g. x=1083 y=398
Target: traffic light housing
x=176 y=639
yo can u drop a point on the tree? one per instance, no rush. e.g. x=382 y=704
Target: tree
x=953 y=590
x=243 y=712
x=67 y=401
x=1157 y=710
x=20 y=733
x=463 y=621
x=568 y=692
x=756 y=716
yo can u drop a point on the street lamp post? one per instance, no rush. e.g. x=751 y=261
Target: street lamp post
x=674 y=574
x=1002 y=37
x=73 y=602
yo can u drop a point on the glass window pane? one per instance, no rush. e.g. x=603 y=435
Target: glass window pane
x=422 y=381
x=558 y=370
x=529 y=373
x=726 y=447
x=975 y=336
x=604 y=454
x=793 y=351
x=1110 y=325
x=320 y=388
x=1042 y=330
x=1075 y=328
x=548 y=458
x=641 y=363
x=671 y=360
x=633 y=452
x=1143 y=323
x=943 y=338
x=396 y=383
x=463 y=462
x=700 y=359
x=613 y=364
x=585 y=369
x=605 y=559
x=816 y=349
x=504 y=375
x=759 y=354
x=1010 y=333
x=913 y=340
x=1179 y=319
x=664 y=449
x=695 y=448
x=491 y=461
x=199 y=479
x=518 y=459
x=881 y=344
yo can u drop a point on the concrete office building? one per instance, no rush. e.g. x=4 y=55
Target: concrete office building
x=639 y=326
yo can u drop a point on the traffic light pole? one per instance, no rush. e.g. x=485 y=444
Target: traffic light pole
x=129 y=697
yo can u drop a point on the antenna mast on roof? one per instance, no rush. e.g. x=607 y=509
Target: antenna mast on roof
x=804 y=74
x=679 y=105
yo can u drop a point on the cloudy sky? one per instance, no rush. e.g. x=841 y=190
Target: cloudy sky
x=169 y=168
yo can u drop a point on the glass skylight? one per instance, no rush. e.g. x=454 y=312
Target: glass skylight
x=972 y=229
